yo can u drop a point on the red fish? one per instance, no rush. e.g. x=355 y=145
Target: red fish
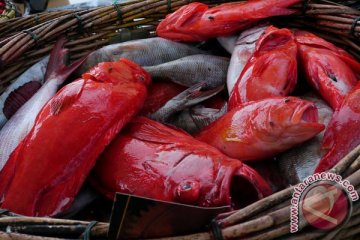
x=262 y=129
x=49 y=166
x=271 y=71
x=343 y=132
x=151 y=160
x=197 y=22
x=309 y=39
x=328 y=69
x=160 y=93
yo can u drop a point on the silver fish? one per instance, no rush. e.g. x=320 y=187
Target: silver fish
x=23 y=120
x=228 y=42
x=190 y=97
x=21 y=90
x=192 y=120
x=145 y=52
x=190 y=70
x=301 y=161
x=244 y=49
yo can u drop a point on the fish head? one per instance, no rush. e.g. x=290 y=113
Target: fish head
x=309 y=39
x=120 y=71
x=210 y=179
x=291 y=120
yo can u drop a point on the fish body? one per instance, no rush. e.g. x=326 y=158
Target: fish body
x=243 y=50
x=159 y=93
x=300 y=162
x=326 y=68
x=342 y=134
x=52 y=162
x=23 y=120
x=176 y=166
x=197 y=22
x=21 y=90
x=311 y=40
x=194 y=119
x=145 y=52
x=262 y=129
x=190 y=70
x=271 y=71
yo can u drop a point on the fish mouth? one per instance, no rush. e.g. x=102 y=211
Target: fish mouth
x=246 y=187
x=305 y=120
x=306 y=113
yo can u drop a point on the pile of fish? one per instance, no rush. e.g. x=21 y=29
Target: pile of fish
x=170 y=121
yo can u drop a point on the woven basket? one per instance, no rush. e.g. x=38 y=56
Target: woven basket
x=25 y=40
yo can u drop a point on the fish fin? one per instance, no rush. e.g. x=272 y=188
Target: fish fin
x=187 y=98
x=328 y=161
x=62 y=101
x=57 y=62
x=19 y=97
x=148 y=130
x=196 y=95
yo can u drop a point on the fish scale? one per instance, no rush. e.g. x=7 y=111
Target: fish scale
x=190 y=70
x=244 y=47
x=145 y=52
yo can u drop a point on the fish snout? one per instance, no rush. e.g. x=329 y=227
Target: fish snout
x=305 y=119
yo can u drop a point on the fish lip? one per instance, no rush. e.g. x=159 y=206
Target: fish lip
x=307 y=115
x=243 y=188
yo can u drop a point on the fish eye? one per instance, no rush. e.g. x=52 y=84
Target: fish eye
x=186 y=186
x=287 y=100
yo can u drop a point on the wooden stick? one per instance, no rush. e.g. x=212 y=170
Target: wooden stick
x=257 y=207
x=17 y=236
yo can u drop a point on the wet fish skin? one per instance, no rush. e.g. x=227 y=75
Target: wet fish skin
x=243 y=50
x=148 y=153
x=327 y=68
x=190 y=70
x=194 y=119
x=52 y=162
x=271 y=71
x=342 y=134
x=23 y=120
x=301 y=161
x=309 y=39
x=33 y=78
x=197 y=22
x=261 y=129
x=145 y=52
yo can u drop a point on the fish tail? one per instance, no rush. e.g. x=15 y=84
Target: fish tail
x=59 y=56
